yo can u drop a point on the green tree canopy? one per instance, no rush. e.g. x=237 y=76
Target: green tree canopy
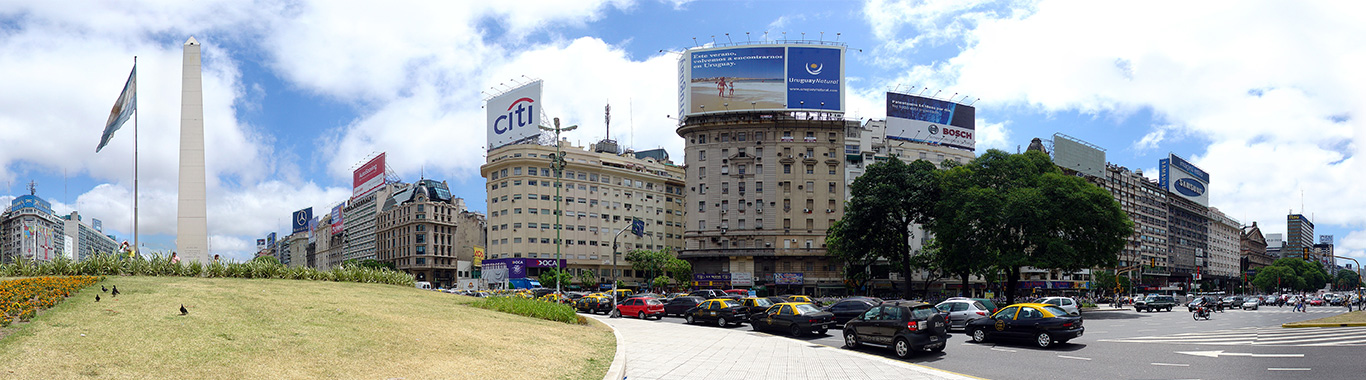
x=587 y=278
x=553 y=277
x=1274 y=278
x=1347 y=280
x=1312 y=273
x=679 y=269
x=885 y=202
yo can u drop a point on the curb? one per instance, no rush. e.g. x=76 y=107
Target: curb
x=1299 y=325
x=617 y=371
x=927 y=370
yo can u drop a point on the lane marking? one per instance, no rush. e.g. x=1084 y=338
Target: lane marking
x=1001 y=349
x=1073 y=357
x=1171 y=364
x=1287 y=369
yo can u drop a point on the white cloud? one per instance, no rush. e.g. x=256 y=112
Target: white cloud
x=992 y=136
x=1272 y=90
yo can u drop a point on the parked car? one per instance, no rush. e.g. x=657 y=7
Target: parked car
x=960 y=311
x=642 y=307
x=1155 y=302
x=680 y=305
x=1071 y=306
x=708 y=293
x=1231 y=302
x=795 y=318
x=799 y=298
x=1044 y=324
x=737 y=292
x=594 y=304
x=758 y=305
x=905 y=326
x=850 y=308
x=1251 y=303
x=722 y=311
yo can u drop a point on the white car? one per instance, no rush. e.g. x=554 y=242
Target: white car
x=1067 y=304
x=1251 y=303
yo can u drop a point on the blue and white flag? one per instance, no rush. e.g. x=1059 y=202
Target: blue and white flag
x=123 y=109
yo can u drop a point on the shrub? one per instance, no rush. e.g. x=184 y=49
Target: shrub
x=260 y=267
x=531 y=308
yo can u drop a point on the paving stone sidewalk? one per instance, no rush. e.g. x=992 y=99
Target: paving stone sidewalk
x=662 y=350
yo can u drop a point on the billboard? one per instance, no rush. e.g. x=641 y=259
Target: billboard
x=260 y=244
x=368 y=177
x=741 y=279
x=478 y=256
x=789 y=278
x=1074 y=154
x=97 y=224
x=929 y=120
x=337 y=219
x=302 y=219
x=761 y=78
x=514 y=115
x=1180 y=177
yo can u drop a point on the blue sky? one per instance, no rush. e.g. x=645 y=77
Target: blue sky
x=1265 y=96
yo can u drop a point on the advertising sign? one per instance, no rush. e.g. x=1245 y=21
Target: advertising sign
x=1072 y=153
x=741 y=279
x=1182 y=178
x=97 y=224
x=514 y=115
x=711 y=280
x=478 y=256
x=270 y=239
x=260 y=244
x=494 y=272
x=337 y=219
x=761 y=78
x=788 y=278
x=934 y=121
x=301 y=219
x=368 y=177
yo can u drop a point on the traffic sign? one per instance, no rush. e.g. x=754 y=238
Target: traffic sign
x=637 y=227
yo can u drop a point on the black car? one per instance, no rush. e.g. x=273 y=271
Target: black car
x=680 y=305
x=850 y=308
x=1209 y=302
x=708 y=293
x=595 y=304
x=795 y=318
x=905 y=326
x=1043 y=324
x=722 y=311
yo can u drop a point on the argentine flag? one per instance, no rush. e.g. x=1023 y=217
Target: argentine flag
x=123 y=109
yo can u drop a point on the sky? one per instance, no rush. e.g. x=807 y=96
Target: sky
x=1266 y=96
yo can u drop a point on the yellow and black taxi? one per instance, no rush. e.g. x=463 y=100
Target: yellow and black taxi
x=594 y=304
x=798 y=298
x=794 y=318
x=722 y=311
x=904 y=326
x=758 y=305
x=1042 y=324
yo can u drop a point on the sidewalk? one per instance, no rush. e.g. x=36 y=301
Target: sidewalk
x=662 y=350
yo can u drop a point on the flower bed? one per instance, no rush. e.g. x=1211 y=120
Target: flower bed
x=22 y=299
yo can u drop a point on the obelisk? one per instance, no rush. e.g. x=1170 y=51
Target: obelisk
x=192 y=223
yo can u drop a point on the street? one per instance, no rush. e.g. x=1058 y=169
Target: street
x=1235 y=344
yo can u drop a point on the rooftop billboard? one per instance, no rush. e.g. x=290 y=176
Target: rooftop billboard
x=773 y=77
x=1074 y=154
x=368 y=177
x=515 y=115
x=1180 y=177
x=929 y=120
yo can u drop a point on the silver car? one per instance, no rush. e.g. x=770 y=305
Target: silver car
x=1067 y=304
x=960 y=312
x=1251 y=303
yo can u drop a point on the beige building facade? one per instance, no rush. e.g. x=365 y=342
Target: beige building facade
x=426 y=232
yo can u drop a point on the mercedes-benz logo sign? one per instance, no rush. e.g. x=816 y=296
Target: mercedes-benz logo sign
x=934 y=129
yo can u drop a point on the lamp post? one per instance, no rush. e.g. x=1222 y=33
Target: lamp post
x=557 y=165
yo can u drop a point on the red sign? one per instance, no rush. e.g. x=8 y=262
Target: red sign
x=368 y=177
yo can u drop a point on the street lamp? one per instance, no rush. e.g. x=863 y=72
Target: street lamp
x=557 y=164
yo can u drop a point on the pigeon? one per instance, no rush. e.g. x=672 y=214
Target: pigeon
x=97 y=298
x=104 y=289
x=116 y=291
x=183 y=311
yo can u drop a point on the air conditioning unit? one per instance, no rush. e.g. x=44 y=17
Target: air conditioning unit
x=829 y=210
x=806 y=210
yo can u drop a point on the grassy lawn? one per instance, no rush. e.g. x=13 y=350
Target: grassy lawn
x=240 y=328
x=1353 y=317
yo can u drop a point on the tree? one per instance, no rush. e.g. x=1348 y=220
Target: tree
x=1016 y=210
x=1107 y=282
x=679 y=269
x=660 y=282
x=886 y=202
x=649 y=262
x=552 y=278
x=1274 y=278
x=587 y=279
x=1347 y=280
x=845 y=247
x=1312 y=273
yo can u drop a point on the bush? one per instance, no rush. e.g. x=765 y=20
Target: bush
x=531 y=308
x=260 y=267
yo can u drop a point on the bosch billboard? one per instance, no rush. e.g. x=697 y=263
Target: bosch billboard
x=368 y=177
x=929 y=120
x=515 y=115
x=1179 y=176
x=773 y=77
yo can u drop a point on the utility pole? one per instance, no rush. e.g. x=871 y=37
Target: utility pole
x=557 y=164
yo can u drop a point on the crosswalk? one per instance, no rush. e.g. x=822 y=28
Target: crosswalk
x=1262 y=336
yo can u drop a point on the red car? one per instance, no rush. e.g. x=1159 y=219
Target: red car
x=1316 y=301
x=642 y=307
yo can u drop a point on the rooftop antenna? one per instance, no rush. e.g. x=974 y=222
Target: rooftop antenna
x=803 y=36
x=713 y=40
x=694 y=42
x=837 y=37
x=747 y=37
x=607 y=119
x=32 y=188
x=728 y=39
x=974 y=101
x=765 y=36
x=922 y=91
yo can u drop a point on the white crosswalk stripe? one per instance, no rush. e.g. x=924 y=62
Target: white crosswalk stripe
x=1262 y=336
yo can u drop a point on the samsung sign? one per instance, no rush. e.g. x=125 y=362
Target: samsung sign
x=1180 y=177
x=514 y=115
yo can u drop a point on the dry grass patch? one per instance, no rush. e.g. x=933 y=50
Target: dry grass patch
x=1353 y=317
x=293 y=329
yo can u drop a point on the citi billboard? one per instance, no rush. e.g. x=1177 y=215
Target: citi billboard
x=773 y=77
x=368 y=177
x=514 y=115
x=929 y=120
x=1180 y=177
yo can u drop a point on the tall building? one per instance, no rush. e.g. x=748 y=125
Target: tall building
x=192 y=226
x=1144 y=201
x=1225 y=238
x=294 y=251
x=86 y=240
x=1299 y=238
x=359 y=226
x=1187 y=238
x=602 y=192
x=428 y=233
x=1323 y=252
x=328 y=246
x=31 y=231
x=1275 y=243
x=1254 y=248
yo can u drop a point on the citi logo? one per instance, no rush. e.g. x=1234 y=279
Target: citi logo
x=814 y=69
x=504 y=124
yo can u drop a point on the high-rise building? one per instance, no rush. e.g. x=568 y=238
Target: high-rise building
x=602 y=192
x=1323 y=252
x=1225 y=236
x=428 y=233
x=1144 y=201
x=359 y=226
x=86 y=240
x=1299 y=238
x=1187 y=238
x=31 y=231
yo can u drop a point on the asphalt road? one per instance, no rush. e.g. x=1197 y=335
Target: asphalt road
x=1127 y=344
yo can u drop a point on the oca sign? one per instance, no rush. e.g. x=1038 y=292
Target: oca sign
x=514 y=115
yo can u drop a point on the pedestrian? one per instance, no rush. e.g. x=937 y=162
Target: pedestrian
x=175 y=260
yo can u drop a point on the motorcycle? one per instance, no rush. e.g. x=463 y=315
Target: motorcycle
x=1201 y=312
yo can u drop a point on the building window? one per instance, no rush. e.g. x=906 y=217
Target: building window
x=758 y=187
x=832 y=188
x=702 y=155
x=810 y=169
x=810 y=186
x=725 y=187
x=701 y=224
x=422 y=249
x=702 y=206
x=421 y=261
x=787 y=169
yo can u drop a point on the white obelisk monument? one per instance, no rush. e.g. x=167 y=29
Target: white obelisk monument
x=192 y=223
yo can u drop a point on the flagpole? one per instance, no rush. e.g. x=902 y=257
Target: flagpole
x=135 y=159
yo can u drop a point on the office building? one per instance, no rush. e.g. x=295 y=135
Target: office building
x=87 y=239
x=1299 y=238
x=31 y=231
x=359 y=226
x=426 y=232
x=1225 y=238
